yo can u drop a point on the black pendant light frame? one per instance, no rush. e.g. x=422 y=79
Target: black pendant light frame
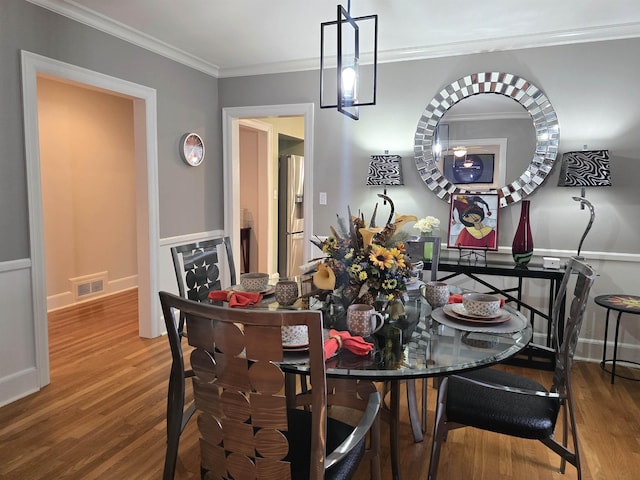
x=348 y=108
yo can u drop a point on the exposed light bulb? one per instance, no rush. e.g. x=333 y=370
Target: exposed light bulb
x=349 y=79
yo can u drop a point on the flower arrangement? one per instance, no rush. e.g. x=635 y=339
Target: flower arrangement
x=363 y=263
x=427 y=224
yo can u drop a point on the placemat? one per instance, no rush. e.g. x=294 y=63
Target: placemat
x=516 y=324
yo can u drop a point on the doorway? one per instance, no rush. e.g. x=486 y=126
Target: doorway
x=256 y=202
x=87 y=170
x=146 y=167
x=232 y=120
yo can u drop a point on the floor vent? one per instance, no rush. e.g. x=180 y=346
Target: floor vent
x=88 y=285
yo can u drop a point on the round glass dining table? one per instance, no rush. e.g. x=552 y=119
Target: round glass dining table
x=434 y=345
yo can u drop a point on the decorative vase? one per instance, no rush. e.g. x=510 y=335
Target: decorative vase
x=522 y=247
x=428 y=247
x=389 y=339
x=334 y=314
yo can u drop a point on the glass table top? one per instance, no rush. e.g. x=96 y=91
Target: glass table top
x=430 y=348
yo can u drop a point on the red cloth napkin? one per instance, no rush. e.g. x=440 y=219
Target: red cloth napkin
x=457 y=298
x=338 y=340
x=235 y=299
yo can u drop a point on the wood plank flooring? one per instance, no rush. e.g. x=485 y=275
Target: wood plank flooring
x=103 y=415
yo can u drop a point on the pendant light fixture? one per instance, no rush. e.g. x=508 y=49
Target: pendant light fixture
x=353 y=87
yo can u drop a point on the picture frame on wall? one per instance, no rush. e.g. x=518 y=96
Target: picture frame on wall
x=473 y=221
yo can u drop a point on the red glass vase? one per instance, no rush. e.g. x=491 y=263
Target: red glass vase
x=522 y=247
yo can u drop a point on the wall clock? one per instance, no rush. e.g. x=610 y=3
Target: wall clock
x=192 y=149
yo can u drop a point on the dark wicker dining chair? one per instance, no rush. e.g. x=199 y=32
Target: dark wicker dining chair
x=246 y=429
x=497 y=401
x=198 y=271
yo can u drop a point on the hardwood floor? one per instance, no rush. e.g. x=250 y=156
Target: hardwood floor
x=103 y=414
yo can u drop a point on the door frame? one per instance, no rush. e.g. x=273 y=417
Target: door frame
x=231 y=117
x=147 y=205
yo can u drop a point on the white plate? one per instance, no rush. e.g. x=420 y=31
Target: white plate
x=450 y=312
x=267 y=291
x=515 y=324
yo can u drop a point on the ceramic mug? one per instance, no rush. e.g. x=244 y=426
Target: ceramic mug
x=363 y=320
x=436 y=294
x=286 y=292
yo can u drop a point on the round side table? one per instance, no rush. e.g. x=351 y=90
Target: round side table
x=621 y=304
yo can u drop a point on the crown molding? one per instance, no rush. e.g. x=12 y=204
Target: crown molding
x=92 y=19
x=547 y=39
x=107 y=25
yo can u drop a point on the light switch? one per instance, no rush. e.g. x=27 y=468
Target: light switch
x=323 y=198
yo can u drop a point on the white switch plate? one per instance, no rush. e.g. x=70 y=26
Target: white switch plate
x=323 y=198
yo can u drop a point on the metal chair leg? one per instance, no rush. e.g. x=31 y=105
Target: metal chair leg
x=175 y=406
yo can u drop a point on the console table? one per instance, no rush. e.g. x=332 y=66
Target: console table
x=532 y=356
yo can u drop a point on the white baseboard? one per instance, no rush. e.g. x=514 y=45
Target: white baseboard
x=66 y=299
x=18 y=385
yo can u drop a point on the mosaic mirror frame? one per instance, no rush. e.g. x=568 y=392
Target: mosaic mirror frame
x=536 y=103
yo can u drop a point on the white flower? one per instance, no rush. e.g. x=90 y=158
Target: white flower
x=427 y=224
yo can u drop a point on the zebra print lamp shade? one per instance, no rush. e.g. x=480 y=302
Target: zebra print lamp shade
x=587 y=168
x=385 y=170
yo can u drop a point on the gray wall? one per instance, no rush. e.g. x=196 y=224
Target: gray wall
x=589 y=85
x=187 y=101
x=592 y=87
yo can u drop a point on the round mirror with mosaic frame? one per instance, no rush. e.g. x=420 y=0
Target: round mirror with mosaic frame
x=532 y=99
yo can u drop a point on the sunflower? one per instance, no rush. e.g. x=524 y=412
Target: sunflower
x=354 y=270
x=398 y=257
x=330 y=245
x=381 y=257
x=389 y=284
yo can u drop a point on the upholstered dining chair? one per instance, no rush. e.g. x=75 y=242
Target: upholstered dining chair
x=494 y=400
x=415 y=249
x=198 y=271
x=246 y=429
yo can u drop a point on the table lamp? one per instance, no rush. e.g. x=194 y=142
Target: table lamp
x=585 y=168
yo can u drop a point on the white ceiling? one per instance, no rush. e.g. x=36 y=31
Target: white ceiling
x=241 y=37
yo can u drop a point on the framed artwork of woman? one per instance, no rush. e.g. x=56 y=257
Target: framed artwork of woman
x=473 y=221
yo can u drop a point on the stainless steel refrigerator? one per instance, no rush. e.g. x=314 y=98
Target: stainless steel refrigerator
x=290 y=215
